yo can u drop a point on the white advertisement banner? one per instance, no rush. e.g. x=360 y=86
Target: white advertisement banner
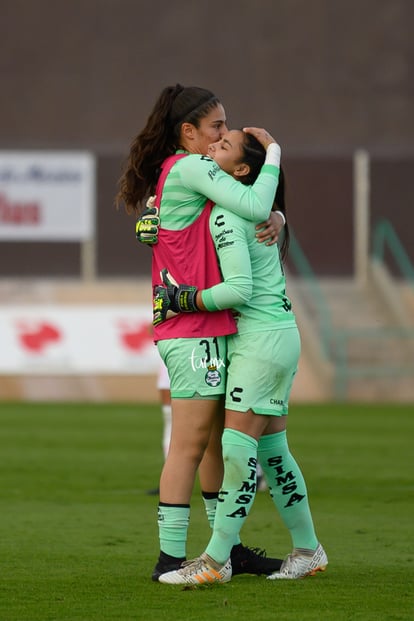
x=47 y=195
x=66 y=340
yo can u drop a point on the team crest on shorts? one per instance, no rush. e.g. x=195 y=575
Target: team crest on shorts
x=213 y=377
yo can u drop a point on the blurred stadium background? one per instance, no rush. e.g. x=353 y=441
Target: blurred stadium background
x=331 y=79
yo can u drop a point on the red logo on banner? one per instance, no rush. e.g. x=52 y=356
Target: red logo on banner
x=135 y=337
x=36 y=339
x=19 y=212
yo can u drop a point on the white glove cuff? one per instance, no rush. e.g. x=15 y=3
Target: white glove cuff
x=273 y=154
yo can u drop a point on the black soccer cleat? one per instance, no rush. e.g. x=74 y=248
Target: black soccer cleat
x=246 y=560
x=166 y=563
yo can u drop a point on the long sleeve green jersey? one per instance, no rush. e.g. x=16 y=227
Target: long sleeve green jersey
x=194 y=178
x=254 y=283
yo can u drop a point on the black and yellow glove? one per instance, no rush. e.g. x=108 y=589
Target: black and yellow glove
x=147 y=225
x=161 y=306
x=171 y=298
x=182 y=297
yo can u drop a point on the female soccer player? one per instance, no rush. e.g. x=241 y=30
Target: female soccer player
x=263 y=358
x=184 y=121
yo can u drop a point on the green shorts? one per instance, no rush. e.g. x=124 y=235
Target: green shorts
x=197 y=367
x=261 y=369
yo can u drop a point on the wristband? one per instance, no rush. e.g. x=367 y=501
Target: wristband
x=282 y=215
x=273 y=154
x=185 y=299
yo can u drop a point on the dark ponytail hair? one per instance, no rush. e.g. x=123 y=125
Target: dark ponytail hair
x=160 y=138
x=254 y=155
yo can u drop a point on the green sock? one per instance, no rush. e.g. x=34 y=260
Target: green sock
x=210 y=504
x=287 y=489
x=173 y=523
x=236 y=495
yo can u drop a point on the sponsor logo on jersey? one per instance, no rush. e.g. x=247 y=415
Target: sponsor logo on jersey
x=213 y=377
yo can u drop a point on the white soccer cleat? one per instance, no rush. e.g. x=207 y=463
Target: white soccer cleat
x=300 y=564
x=202 y=570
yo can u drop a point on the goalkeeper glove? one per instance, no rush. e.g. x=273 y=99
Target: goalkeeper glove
x=147 y=225
x=171 y=299
x=182 y=297
x=161 y=306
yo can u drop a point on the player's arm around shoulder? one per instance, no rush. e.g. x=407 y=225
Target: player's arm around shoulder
x=197 y=171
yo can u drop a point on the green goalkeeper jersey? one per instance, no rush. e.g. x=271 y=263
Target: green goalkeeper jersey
x=194 y=178
x=254 y=281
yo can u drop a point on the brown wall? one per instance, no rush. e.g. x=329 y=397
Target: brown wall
x=324 y=76
x=321 y=74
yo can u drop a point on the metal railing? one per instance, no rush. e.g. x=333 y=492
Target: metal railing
x=385 y=235
x=314 y=299
x=337 y=345
x=399 y=339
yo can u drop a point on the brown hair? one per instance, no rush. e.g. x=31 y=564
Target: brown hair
x=160 y=138
x=254 y=155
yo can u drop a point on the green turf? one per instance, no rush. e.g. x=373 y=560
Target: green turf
x=79 y=533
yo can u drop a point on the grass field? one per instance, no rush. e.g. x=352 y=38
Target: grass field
x=79 y=535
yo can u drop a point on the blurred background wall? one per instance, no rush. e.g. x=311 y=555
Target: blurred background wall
x=328 y=78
